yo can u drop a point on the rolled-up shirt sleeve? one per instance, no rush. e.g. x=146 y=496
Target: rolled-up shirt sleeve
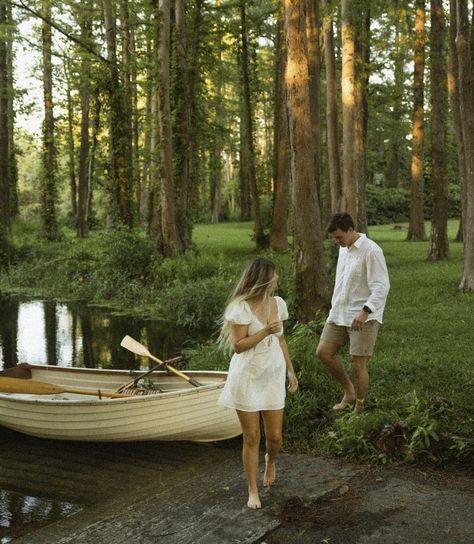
x=377 y=280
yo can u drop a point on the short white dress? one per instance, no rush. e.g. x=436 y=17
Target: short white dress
x=256 y=378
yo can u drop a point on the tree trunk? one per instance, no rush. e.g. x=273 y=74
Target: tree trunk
x=70 y=139
x=49 y=150
x=248 y=149
x=311 y=280
x=399 y=54
x=362 y=60
x=83 y=191
x=314 y=69
x=348 y=110
x=4 y=143
x=120 y=133
x=453 y=90
x=12 y=162
x=183 y=114
x=416 y=228
x=335 y=182
x=466 y=93
x=172 y=244
x=281 y=159
x=439 y=248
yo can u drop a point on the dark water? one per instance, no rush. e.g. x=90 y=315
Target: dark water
x=35 y=475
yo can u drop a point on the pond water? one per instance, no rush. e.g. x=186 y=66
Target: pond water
x=32 y=494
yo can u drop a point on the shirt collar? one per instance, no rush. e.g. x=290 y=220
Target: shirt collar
x=359 y=240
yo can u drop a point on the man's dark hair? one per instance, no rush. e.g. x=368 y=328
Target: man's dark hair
x=341 y=220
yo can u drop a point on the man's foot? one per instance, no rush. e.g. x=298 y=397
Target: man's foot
x=345 y=402
x=254 y=500
x=359 y=406
x=270 y=472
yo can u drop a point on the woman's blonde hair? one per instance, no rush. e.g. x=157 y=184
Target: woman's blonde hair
x=258 y=280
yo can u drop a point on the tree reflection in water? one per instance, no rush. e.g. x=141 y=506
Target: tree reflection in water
x=39 y=332
x=20 y=514
x=33 y=492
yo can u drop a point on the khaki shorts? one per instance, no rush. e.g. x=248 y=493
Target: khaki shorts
x=361 y=342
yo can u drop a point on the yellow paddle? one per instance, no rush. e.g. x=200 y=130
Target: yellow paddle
x=135 y=347
x=33 y=387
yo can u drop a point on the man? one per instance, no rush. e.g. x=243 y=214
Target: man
x=357 y=306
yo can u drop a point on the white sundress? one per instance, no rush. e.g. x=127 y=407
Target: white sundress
x=256 y=378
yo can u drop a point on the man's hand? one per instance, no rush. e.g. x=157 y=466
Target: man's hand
x=359 y=320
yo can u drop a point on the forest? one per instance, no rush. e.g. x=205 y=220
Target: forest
x=159 y=115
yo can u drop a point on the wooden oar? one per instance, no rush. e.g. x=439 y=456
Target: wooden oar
x=135 y=347
x=135 y=380
x=33 y=387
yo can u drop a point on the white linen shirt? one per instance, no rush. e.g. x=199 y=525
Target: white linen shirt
x=361 y=280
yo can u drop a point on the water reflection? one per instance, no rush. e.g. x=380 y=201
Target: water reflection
x=43 y=481
x=46 y=332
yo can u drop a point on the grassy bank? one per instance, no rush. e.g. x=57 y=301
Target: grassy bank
x=422 y=373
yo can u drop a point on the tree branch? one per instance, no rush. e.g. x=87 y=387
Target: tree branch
x=69 y=36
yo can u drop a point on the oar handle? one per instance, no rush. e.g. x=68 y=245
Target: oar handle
x=175 y=371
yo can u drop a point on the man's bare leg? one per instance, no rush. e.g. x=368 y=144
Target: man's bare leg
x=326 y=351
x=272 y=420
x=250 y=423
x=361 y=381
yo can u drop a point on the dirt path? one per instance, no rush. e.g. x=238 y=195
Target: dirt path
x=314 y=501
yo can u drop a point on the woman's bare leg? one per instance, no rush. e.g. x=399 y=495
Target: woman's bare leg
x=272 y=421
x=250 y=423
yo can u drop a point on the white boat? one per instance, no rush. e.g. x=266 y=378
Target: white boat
x=178 y=411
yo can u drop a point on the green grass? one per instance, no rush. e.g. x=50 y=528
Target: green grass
x=422 y=372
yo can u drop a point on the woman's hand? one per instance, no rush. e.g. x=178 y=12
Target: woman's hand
x=292 y=382
x=273 y=328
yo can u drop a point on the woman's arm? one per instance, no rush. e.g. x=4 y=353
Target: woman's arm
x=292 y=379
x=242 y=342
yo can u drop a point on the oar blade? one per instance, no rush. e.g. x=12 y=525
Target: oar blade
x=30 y=387
x=135 y=347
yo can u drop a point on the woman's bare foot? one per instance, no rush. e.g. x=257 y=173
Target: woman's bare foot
x=270 y=472
x=254 y=500
x=345 y=402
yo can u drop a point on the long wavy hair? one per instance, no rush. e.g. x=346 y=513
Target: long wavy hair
x=258 y=280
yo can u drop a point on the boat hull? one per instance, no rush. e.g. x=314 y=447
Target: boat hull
x=181 y=412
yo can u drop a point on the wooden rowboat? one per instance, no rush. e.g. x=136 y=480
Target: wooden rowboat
x=176 y=411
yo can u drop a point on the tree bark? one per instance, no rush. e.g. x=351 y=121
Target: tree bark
x=439 y=248
x=281 y=159
x=453 y=90
x=314 y=70
x=70 y=139
x=311 y=279
x=49 y=150
x=120 y=134
x=416 y=228
x=172 y=244
x=84 y=146
x=248 y=149
x=4 y=133
x=466 y=93
x=399 y=54
x=348 y=110
x=12 y=161
x=335 y=181
x=183 y=114
x=362 y=60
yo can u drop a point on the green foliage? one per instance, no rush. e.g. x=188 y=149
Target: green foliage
x=195 y=305
x=387 y=205
x=393 y=205
x=422 y=373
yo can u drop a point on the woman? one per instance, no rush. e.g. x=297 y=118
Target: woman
x=253 y=328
